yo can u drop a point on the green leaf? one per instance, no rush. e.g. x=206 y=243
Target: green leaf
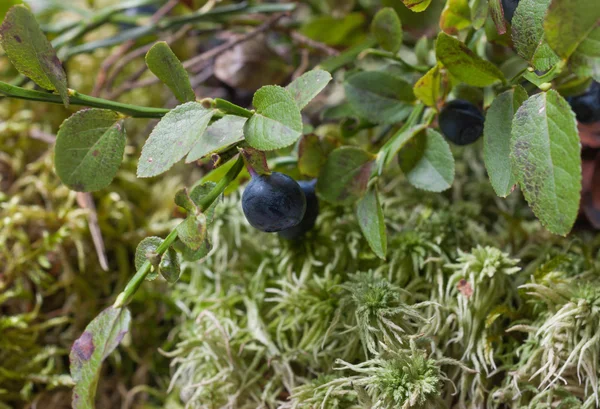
x=546 y=156
x=99 y=339
x=528 y=34
x=183 y=199
x=169 y=266
x=192 y=230
x=163 y=63
x=219 y=136
x=198 y=193
x=496 y=139
x=371 y=222
x=585 y=61
x=334 y=31
x=427 y=161
x=172 y=138
x=146 y=251
x=31 y=53
x=433 y=87
x=89 y=149
x=464 y=64
x=456 y=16
x=379 y=96
x=277 y=122
x=497 y=14
x=479 y=12
x=193 y=255
x=417 y=5
x=6 y=5
x=255 y=160
x=311 y=157
x=344 y=178
x=387 y=29
x=307 y=86
x=569 y=23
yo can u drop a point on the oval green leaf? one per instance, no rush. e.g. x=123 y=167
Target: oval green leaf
x=163 y=63
x=219 y=136
x=496 y=139
x=432 y=87
x=277 y=122
x=568 y=23
x=379 y=96
x=427 y=161
x=192 y=231
x=546 y=156
x=387 y=29
x=456 y=16
x=528 y=34
x=89 y=149
x=371 y=222
x=173 y=138
x=31 y=53
x=311 y=157
x=307 y=86
x=464 y=64
x=170 y=266
x=344 y=178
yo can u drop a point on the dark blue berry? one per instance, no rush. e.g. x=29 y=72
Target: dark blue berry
x=273 y=202
x=461 y=122
x=310 y=216
x=587 y=106
x=509 y=7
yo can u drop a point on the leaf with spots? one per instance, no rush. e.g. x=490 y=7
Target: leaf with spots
x=433 y=87
x=344 y=178
x=417 y=5
x=192 y=231
x=387 y=29
x=427 y=161
x=569 y=23
x=277 y=122
x=163 y=63
x=464 y=64
x=456 y=16
x=5 y=5
x=307 y=86
x=31 y=53
x=546 y=156
x=379 y=96
x=173 y=138
x=370 y=218
x=528 y=34
x=496 y=139
x=88 y=352
x=89 y=149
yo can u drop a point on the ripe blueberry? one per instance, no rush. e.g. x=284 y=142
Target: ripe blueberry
x=273 y=202
x=587 y=105
x=509 y=7
x=461 y=122
x=312 y=211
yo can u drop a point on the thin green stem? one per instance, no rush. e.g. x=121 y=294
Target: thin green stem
x=136 y=281
x=77 y=98
x=392 y=56
x=232 y=108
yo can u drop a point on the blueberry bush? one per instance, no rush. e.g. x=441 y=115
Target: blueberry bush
x=391 y=161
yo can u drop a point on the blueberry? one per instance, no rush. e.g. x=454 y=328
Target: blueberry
x=310 y=217
x=461 y=122
x=273 y=202
x=587 y=105
x=509 y=7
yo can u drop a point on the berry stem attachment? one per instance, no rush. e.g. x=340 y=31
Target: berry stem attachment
x=136 y=281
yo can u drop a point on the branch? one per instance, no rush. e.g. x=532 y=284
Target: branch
x=75 y=98
x=136 y=281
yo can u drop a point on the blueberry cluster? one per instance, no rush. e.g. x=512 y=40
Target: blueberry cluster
x=461 y=122
x=587 y=105
x=277 y=203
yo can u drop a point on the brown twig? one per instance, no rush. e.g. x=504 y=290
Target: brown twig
x=199 y=62
x=303 y=40
x=86 y=201
x=126 y=46
x=304 y=64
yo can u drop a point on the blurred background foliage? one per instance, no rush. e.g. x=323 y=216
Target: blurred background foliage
x=269 y=323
